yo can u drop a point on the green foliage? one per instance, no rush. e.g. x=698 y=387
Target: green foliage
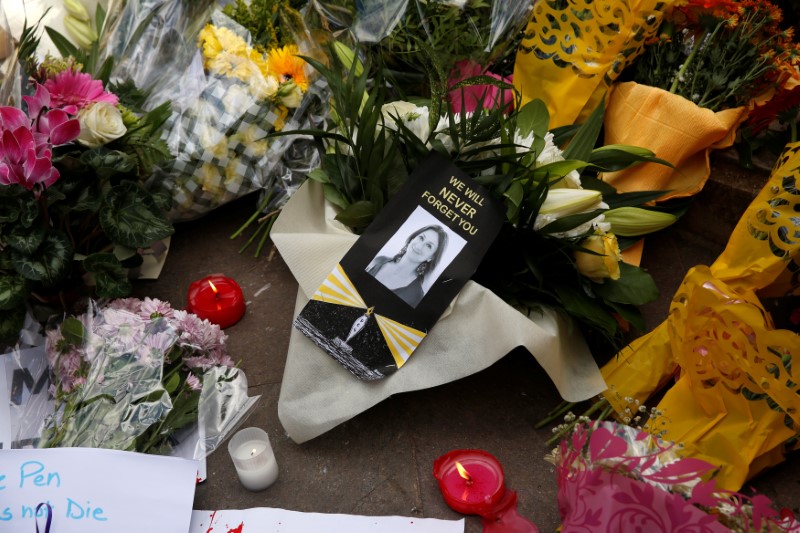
x=130 y=217
x=110 y=278
x=268 y=21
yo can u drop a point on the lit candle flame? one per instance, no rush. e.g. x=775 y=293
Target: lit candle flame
x=463 y=472
x=213 y=287
x=253 y=452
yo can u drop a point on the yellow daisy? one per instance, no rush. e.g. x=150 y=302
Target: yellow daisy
x=284 y=63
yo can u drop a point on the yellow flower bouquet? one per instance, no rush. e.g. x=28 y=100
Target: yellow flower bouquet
x=234 y=76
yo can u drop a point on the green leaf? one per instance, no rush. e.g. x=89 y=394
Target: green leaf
x=50 y=263
x=13 y=291
x=333 y=195
x=635 y=287
x=11 y=323
x=89 y=199
x=557 y=169
x=25 y=240
x=515 y=194
x=581 y=146
x=615 y=157
x=533 y=118
x=130 y=217
x=586 y=309
x=630 y=314
x=107 y=163
x=110 y=277
x=319 y=175
x=9 y=210
x=63 y=45
x=173 y=383
x=358 y=215
x=73 y=331
x=631 y=199
x=30 y=211
x=99 y=18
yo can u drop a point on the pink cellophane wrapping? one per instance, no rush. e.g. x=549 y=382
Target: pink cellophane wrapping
x=615 y=478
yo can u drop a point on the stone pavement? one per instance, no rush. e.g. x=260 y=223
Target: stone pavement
x=380 y=462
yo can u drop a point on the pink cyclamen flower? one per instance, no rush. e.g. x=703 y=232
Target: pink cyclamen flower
x=471 y=97
x=72 y=91
x=26 y=142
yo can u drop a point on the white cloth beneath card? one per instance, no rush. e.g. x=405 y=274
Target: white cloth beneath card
x=478 y=329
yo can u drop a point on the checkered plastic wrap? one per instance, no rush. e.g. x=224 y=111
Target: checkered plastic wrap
x=220 y=149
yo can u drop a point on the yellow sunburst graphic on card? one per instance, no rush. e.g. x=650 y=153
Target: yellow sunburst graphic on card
x=402 y=340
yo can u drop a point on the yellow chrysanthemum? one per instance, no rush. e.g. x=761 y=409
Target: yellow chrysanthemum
x=216 y=41
x=286 y=66
x=244 y=67
x=253 y=139
x=210 y=180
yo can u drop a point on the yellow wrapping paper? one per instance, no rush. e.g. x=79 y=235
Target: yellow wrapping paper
x=737 y=398
x=573 y=51
x=675 y=129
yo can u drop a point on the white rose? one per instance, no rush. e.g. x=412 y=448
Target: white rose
x=101 y=123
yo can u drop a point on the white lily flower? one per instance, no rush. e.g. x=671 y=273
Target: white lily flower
x=564 y=202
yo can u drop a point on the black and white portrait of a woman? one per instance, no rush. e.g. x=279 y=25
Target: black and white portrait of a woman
x=411 y=261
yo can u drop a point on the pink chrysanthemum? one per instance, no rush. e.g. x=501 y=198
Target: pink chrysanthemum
x=193 y=383
x=72 y=91
x=153 y=308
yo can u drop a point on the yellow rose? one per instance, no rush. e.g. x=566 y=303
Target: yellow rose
x=604 y=262
x=101 y=123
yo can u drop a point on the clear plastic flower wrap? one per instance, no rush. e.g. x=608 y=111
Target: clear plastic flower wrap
x=136 y=375
x=231 y=85
x=428 y=46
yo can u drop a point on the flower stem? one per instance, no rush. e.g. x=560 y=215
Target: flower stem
x=597 y=406
x=261 y=207
x=558 y=412
x=698 y=43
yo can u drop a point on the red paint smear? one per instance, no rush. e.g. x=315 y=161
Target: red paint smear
x=237 y=529
x=211 y=523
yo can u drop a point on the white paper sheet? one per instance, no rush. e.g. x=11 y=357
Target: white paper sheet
x=267 y=520
x=96 y=491
x=478 y=329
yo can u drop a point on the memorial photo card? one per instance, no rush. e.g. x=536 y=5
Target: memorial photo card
x=391 y=287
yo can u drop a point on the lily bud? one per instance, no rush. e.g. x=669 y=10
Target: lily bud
x=564 y=202
x=81 y=32
x=604 y=262
x=347 y=56
x=77 y=10
x=634 y=221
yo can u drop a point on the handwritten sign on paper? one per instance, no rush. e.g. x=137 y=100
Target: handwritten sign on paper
x=95 y=491
x=268 y=520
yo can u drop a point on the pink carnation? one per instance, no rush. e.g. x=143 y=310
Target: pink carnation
x=72 y=91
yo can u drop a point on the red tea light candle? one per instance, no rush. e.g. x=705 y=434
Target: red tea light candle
x=218 y=299
x=471 y=481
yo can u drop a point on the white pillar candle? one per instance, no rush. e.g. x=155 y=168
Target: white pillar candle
x=253 y=458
